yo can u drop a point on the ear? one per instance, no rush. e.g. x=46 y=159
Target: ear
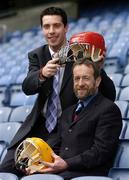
x=98 y=81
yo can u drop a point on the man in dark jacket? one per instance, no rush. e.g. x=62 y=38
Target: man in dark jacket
x=88 y=134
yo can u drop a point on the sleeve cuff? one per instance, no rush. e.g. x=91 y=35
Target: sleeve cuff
x=74 y=162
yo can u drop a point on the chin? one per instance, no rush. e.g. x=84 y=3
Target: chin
x=81 y=97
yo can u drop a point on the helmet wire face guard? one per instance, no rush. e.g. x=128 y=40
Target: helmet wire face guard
x=31 y=153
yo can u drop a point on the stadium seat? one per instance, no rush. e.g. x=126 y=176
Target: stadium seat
x=42 y=177
x=2 y=148
x=128 y=114
x=124 y=128
x=118 y=89
x=8 y=130
x=4 y=114
x=126 y=70
x=20 y=113
x=2 y=95
x=125 y=81
x=126 y=133
x=124 y=94
x=123 y=105
x=119 y=174
x=122 y=157
x=116 y=78
x=8 y=176
x=111 y=66
x=5 y=80
x=92 y=178
x=20 y=78
x=19 y=99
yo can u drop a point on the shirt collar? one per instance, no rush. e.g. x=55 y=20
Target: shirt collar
x=51 y=51
x=88 y=99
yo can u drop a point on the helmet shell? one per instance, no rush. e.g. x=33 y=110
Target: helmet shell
x=91 y=38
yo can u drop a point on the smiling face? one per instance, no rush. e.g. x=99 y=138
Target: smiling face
x=85 y=83
x=54 y=31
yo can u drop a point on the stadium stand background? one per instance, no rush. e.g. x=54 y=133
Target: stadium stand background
x=20 y=32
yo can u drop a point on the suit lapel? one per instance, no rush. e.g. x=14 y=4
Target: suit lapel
x=90 y=107
x=46 y=55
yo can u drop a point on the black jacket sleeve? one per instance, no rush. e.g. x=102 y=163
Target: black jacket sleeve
x=107 y=87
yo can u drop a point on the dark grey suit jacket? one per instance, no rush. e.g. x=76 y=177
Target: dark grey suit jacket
x=89 y=144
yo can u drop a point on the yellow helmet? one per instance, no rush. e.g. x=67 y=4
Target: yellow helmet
x=31 y=154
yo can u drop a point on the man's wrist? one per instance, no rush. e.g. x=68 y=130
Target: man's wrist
x=41 y=75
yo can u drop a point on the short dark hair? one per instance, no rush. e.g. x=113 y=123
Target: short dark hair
x=89 y=62
x=54 y=11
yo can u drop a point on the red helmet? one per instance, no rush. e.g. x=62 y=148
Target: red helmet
x=88 y=44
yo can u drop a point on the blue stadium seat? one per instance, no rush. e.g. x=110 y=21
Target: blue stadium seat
x=20 y=113
x=124 y=94
x=8 y=176
x=128 y=114
x=2 y=94
x=92 y=178
x=126 y=70
x=20 y=78
x=118 y=89
x=111 y=65
x=119 y=174
x=125 y=80
x=122 y=157
x=20 y=99
x=5 y=80
x=116 y=78
x=124 y=128
x=4 y=114
x=42 y=177
x=126 y=133
x=8 y=130
x=123 y=105
x=3 y=145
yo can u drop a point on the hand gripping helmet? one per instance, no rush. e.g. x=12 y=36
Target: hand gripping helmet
x=31 y=153
x=87 y=45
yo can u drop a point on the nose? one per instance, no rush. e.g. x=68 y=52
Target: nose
x=80 y=82
x=51 y=29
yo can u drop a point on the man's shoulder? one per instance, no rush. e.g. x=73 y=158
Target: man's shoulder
x=106 y=102
x=38 y=49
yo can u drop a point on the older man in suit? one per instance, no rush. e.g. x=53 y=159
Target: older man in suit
x=88 y=135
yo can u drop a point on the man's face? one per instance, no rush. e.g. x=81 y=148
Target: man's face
x=84 y=81
x=54 y=31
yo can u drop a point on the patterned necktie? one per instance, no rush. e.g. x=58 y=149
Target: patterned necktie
x=79 y=108
x=52 y=106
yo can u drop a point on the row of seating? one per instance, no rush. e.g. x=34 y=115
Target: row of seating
x=9 y=129
x=114 y=174
x=15 y=97
x=18 y=114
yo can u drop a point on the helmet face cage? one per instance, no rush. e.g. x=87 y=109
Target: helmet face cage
x=29 y=155
x=78 y=51
x=85 y=50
